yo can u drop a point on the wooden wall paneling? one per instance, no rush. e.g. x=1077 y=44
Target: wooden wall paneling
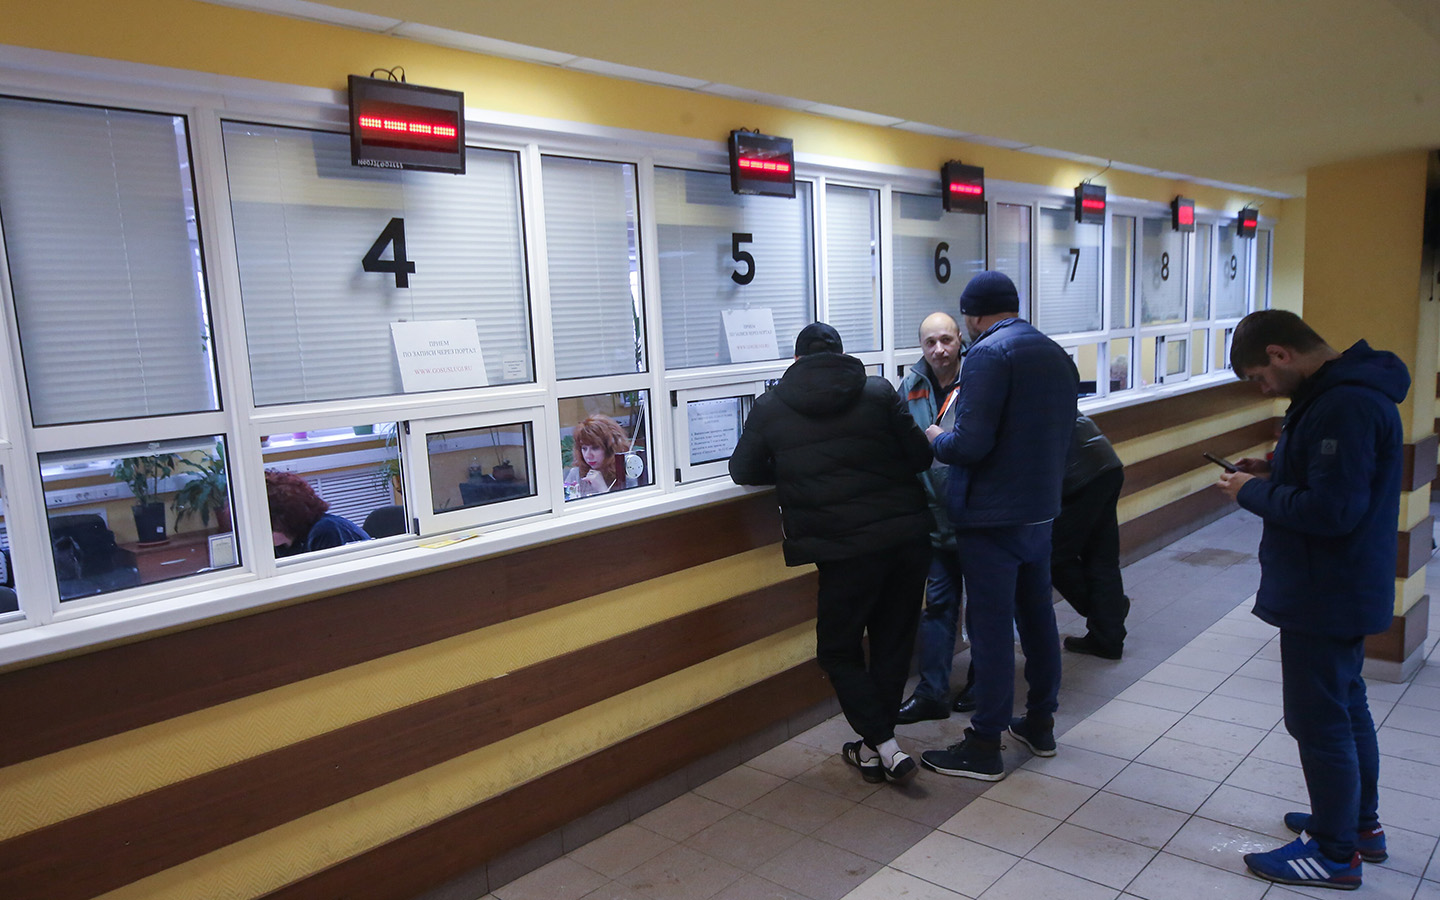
x=1420 y=463
x=1142 y=419
x=68 y=702
x=440 y=852
x=118 y=844
x=1415 y=548
x=1174 y=463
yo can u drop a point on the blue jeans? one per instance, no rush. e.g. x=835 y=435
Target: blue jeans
x=1327 y=714
x=1007 y=580
x=938 y=622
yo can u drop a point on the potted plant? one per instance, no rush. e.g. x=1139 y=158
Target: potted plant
x=143 y=474
x=207 y=491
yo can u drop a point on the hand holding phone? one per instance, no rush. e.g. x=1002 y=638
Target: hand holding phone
x=1225 y=464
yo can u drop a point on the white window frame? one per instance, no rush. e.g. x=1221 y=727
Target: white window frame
x=685 y=471
x=418 y=487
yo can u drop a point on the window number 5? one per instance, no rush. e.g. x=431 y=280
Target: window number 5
x=741 y=256
x=398 y=264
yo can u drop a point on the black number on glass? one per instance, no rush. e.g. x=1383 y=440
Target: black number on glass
x=1165 y=267
x=1234 y=267
x=742 y=256
x=394 y=236
x=942 y=263
x=1074 y=262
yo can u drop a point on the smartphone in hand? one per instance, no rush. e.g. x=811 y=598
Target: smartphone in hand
x=1225 y=464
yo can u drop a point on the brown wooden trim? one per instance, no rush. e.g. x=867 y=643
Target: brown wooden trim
x=73 y=701
x=1159 y=415
x=110 y=847
x=1148 y=533
x=1420 y=463
x=1406 y=632
x=434 y=855
x=1415 y=548
x=1174 y=463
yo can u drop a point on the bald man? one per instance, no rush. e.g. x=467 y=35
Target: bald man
x=925 y=388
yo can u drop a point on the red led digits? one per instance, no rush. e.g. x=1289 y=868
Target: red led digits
x=761 y=164
x=1089 y=203
x=395 y=125
x=1182 y=214
x=962 y=188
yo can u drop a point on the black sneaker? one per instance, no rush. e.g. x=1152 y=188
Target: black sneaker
x=870 y=769
x=965 y=700
x=1038 y=735
x=974 y=757
x=1091 y=647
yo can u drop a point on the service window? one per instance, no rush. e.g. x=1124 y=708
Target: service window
x=1087 y=362
x=852 y=266
x=1162 y=273
x=1221 y=342
x=1122 y=272
x=353 y=471
x=707 y=425
x=1068 y=300
x=593 y=255
x=604 y=444
x=9 y=598
x=936 y=255
x=1199 y=340
x=104 y=262
x=1260 y=295
x=1010 y=236
x=1204 y=268
x=481 y=469
x=1232 y=271
x=1172 y=357
x=124 y=516
x=1121 y=359
x=737 y=273
x=341 y=265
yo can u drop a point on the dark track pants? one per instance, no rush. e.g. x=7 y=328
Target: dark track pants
x=1085 y=558
x=879 y=595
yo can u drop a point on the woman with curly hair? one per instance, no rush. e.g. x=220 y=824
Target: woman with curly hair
x=599 y=442
x=299 y=521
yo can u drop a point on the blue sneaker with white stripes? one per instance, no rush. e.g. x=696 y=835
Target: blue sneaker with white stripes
x=1369 y=841
x=1301 y=862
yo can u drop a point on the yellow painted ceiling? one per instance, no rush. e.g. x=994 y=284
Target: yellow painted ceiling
x=1252 y=92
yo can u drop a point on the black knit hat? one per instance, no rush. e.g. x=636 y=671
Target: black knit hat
x=817 y=337
x=989 y=293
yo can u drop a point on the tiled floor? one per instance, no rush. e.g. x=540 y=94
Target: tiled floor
x=1172 y=764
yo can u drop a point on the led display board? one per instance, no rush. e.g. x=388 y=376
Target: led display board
x=963 y=187
x=1089 y=203
x=394 y=125
x=761 y=164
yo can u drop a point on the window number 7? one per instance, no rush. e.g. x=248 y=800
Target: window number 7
x=1074 y=262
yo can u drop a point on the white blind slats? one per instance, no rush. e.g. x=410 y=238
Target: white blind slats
x=920 y=224
x=105 y=275
x=1162 y=273
x=696 y=215
x=590 y=227
x=1010 y=232
x=1233 y=265
x=1068 y=299
x=852 y=262
x=318 y=326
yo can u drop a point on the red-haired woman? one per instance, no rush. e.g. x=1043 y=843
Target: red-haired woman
x=599 y=443
x=299 y=522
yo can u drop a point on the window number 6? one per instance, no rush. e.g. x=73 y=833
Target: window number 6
x=398 y=264
x=942 y=263
x=741 y=256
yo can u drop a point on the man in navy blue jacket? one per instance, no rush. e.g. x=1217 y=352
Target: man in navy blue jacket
x=1014 y=416
x=1330 y=499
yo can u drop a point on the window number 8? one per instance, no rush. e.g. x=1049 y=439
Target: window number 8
x=1165 y=267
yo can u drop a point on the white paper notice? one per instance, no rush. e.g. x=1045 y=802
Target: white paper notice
x=437 y=356
x=714 y=428
x=750 y=334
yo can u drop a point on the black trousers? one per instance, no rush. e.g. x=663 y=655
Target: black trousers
x=1085 y=558
x=879 y=595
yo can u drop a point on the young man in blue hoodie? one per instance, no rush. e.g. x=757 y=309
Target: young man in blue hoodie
x=1330 y=500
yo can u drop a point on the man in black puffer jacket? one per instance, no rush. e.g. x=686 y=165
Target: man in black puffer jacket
x=843 y=452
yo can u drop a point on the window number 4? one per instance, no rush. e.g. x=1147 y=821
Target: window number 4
x=393 y=235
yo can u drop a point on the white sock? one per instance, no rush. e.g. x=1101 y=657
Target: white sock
x=889 y=751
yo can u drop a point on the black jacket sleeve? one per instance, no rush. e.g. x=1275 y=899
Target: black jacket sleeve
x=753 y=461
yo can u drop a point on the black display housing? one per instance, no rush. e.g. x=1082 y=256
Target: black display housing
x=1090 y=203
x=962 y=187
x=1182 y=214
x=1247 y=222
x=762 y=164
x=394 y=125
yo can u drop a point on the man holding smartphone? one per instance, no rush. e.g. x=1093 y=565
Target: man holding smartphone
x=1330 y=502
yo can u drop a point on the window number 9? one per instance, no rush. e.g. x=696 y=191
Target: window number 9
x=942 y=263
x=1234 y=267
x=741 y=256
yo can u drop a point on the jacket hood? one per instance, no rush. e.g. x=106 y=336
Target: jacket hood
x=822 y=384
x=1380 y=370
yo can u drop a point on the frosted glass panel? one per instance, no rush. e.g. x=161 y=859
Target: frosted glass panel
x=1069 y=294
x=1162 y=273
x=929 y=277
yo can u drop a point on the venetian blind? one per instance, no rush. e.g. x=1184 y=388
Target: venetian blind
x=920 y=225
x=852 y=264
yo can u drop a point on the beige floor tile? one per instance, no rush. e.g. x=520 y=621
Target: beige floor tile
x=683 y=816
x=753 y=887
x=1238 y=711
x=1162 y=787
x=1275 y=779
x=1029 y=880
x=1421 y=695
x=793 y=757
x=1190 y=759
x=962 y=866
x=1428 y=890
x=893 y=884
x=1248 y=688
x=621 y=850
x=818 y=870
x=876 y=835
x=1171 y=877
x=1243 y=645
x=1221 y=735
x=1221 y=846
x=1416 y=718
x=1380 y=883
x=1137 y=717
x=739 y=786
x=563 y=879
x=1263 y=668
x=1078 y=765
x=1091 y=855
x=681 y=873
x=1008 y=828
x=1163 y=696
x=1214 y=660
x=1409 y=811
x=1278 y=747
x=1129 y=819
x=1103 y=737
x=614 y=890
x=1408 y=745
x=1432 y=872
x=1246 y=627
x=1410 y=851
x=835 y=776
x=798 y=808
x=1176 y=675
x=930 y=799
x=827 y=737
x=1260 y=813
x=743 y=840
x=1053 y=797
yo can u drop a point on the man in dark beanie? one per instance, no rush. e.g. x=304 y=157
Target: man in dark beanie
x=842 y=451
x=1014 y=417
